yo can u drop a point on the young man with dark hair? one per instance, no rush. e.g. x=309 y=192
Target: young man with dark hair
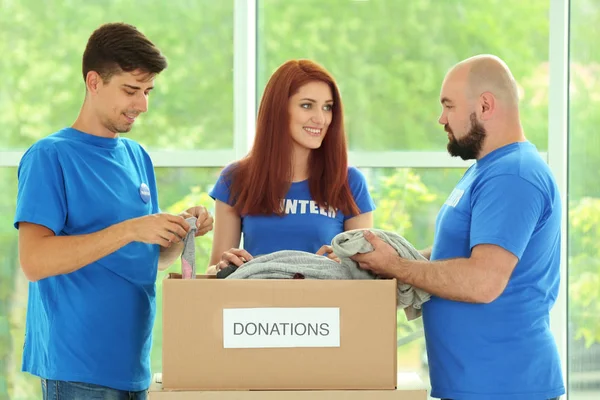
x=91 y=234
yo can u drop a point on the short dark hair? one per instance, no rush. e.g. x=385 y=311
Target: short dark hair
x=117 y=47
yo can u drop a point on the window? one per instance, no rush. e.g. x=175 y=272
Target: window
x=179 y=189
x=42 y=91
x=389 y=58
x=13 y=291
x=42 y=87
x=408 y=200
x=584 y=203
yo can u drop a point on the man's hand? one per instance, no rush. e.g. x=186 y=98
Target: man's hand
x=163 y=229
x=381 y=260
x=205 y=221
x=328 y=250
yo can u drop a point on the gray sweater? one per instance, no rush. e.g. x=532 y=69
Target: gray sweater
x=349 y=243
x=288 y=264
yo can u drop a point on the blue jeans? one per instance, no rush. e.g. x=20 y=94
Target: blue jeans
x=61 y=390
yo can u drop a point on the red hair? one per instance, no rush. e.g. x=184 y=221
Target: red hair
x=261 y=180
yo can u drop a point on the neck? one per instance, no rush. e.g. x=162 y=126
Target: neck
x=502 y=134
x=87 y=121
x=300 y=157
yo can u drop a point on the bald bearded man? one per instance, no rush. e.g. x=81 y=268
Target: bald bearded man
x=494 y=265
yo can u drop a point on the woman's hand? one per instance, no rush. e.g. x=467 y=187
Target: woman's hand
x=233 y=256
x=328 y=251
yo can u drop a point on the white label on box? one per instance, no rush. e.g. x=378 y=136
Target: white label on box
x=245 y=328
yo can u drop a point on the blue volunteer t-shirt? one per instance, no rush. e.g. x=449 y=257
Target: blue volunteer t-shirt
x=306 y=226
x=93 y=325
x=504 y=349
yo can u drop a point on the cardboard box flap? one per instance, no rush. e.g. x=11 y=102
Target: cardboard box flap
x=177 y=275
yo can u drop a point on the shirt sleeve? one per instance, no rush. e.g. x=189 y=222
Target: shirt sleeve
x=360 y=191
x=505 y=212
x=41 y=197
x=221 y=191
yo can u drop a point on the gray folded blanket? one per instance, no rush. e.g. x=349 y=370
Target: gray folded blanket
x=290 y=264
x=349 y=243
x=293 y=264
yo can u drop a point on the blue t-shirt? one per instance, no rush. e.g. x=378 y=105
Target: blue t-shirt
x=306 y=226
x=504 y=349
x=93 y=325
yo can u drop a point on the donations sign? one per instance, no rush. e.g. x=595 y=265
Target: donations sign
x=281 y=327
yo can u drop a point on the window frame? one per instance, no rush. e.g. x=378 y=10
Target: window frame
x=245 y=108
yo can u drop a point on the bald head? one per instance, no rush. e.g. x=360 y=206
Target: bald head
x=488 y=73
x=480 y=107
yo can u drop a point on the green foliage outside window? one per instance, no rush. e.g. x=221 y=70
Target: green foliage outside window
x=389 y=58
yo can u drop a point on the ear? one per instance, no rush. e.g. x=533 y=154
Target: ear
x=487 y=105
x=93 y=82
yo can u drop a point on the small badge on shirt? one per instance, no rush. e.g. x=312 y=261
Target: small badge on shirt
x=145 y=193
x=455 y=197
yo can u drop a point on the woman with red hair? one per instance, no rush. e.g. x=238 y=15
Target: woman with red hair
x=294 y=190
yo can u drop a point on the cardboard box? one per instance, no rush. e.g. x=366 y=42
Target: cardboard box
x=410 y=387
x=226 y=334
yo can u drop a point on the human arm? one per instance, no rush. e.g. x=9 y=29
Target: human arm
x=204 y=224
x=481 y=278
x=505 y=211
x=43 y=254
x=361 y=221
x=168 y=255
x=226 y=239
x=363 y=200
x=43 y=251
x=426 y=252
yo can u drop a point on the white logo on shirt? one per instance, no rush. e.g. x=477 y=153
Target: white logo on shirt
x=290 y=206
x=454 y=197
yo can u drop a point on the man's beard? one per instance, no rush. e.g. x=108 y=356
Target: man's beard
x=116 y=126
x=468 y=147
